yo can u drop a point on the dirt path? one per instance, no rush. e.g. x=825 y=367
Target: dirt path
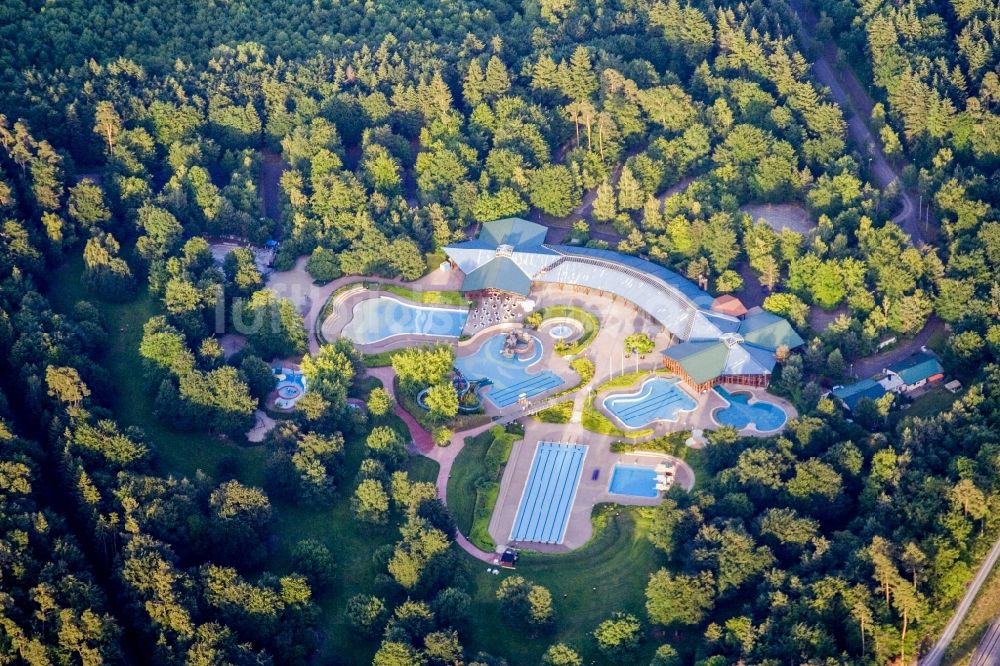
x=849 y=94
x=271 y=168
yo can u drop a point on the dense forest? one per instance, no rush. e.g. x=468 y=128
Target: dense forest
x=131 y=133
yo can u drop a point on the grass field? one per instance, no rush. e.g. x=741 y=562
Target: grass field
x=587 y=585
x=475 y=482
x=425 y=297
x=628 y=379
x=182 y=453
x=936 y=400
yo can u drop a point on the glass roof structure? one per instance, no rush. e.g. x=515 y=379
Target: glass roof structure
x=510 y=255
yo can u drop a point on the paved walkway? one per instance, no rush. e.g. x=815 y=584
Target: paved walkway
x=421 y=440
x=445 y=456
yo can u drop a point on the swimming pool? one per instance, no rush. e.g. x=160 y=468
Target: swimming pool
x=509 y=376
x=633 y=481
x=291 y=385
x=377 y=319
x=763 y=415
x=547 y=500
x=658 y=399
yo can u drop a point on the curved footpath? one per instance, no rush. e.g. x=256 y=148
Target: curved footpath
x=849 y=94
x=445 y=456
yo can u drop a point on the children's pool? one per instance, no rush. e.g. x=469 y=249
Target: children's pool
x=509 y=376
x=658 y=399
x=291 y=385
x=548 y=495
x=634 y=481
x=377 y=319
x=762 y=415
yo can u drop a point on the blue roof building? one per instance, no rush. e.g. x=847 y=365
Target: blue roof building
x=852 y=394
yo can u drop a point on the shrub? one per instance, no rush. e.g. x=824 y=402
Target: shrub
x=558 y=413
x=583 y=367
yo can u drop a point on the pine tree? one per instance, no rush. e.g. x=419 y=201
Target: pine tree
x=604 y=209
x=630 y=194
x=579 y=81
x=107 y=124
x=474 y=84
x=497 y=80
x=545 y=74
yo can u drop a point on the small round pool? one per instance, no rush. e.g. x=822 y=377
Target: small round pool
x=289 y=391
x=561 y=331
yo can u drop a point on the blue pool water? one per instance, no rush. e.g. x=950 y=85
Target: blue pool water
x=764 y=416
x=548 y=494
x=376 y=319
x=509 y=375
x=634 y=481
x=656 y=400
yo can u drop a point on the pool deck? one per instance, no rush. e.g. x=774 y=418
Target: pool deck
x=579 y=528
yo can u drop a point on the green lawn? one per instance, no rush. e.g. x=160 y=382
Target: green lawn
x=628 y=379
x=378 y=360
x=936 y=400
x=474 y=483
x=617 y=562
x=182 y=453
x=426 y=297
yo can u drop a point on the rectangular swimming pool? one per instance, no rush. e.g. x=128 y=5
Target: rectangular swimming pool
x=548 y=495
x=633 y=481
